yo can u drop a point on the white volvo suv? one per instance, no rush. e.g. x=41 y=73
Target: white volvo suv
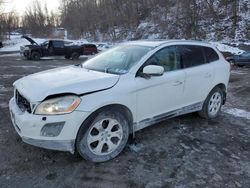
x=92 y=108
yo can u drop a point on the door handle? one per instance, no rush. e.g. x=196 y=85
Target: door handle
x=176 y=83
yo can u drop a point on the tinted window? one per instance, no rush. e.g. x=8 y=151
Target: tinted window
x=191 y=56
x=210 y=54
x=57 y=44
x=166 y=57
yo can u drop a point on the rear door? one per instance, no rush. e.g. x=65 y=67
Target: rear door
x=199 y=74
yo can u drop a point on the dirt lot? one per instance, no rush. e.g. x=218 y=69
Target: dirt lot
x=182 y=152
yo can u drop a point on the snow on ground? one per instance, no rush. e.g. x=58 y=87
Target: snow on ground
x=9 y=55
x=15 y=41
x=226 y=48
x=237 y=112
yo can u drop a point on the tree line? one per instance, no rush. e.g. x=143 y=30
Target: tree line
x=135 y=19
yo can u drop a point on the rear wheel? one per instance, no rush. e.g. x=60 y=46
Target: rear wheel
x=103 y=137
x=212 y=104
x=75 y=56
x=35 y=56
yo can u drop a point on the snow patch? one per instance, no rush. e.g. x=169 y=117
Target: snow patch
x=226 y=48
x=136 y=147
x=15 y=41
x=237 y=112
x=10 y=55
x=4 y=105
x=238 y=72
x=3 y=89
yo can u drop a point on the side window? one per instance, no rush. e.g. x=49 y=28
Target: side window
x=191 y=55
x=58 y=44
x=166 y=57
x=210 y=54
x=45 y=44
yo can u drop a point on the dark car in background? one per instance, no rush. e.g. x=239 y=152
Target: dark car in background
x=89 y=49
x=240 y=60
x=35 y=51
x=1 y=44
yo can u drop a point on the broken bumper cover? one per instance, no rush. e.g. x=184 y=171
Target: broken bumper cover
x=30 y=126
x=62 y=145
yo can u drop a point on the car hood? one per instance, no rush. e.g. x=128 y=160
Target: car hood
x=30 y=40
x=65 y=80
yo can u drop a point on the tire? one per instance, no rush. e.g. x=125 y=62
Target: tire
x=212 y=104
x=103 y=136
x=75 y=56
x=35 y=56
x=67 y=56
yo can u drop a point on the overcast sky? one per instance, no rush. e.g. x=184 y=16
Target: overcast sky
x=20 y=5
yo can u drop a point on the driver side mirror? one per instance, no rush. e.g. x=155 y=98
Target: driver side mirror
x=153 y=70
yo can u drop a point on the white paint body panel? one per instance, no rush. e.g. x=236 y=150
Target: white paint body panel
x=71 y=79
x=159 y=95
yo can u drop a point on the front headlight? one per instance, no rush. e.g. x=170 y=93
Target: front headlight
x=26 y=48
x=59 y=105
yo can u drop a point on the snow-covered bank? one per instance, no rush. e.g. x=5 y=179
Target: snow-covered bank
x=237 y=112
x=13 y=44
x=16 y=41
x=226 y=48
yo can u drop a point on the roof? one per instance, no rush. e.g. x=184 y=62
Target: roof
x=156 y=43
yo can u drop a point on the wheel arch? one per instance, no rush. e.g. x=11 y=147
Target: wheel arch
x=115 y=107
x=223 y=88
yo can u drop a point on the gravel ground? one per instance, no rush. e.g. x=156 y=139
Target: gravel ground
x=186 y=151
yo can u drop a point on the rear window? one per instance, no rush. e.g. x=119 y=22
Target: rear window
x=210 y=54
x=191 y=56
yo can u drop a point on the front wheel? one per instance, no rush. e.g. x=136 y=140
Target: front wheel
x=104 y=137
x=212 y=104
x=35 y=56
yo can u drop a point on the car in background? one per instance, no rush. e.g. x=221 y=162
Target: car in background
x=102 y=46
x=1 y=44
x=240 y=60
x=89 y=49
x=35 y=51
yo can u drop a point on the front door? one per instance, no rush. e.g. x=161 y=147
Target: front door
x=160 y=94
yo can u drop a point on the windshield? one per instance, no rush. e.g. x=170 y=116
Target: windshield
x=117 y=60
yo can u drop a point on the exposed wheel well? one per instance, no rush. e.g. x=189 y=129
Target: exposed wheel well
x=116 y=107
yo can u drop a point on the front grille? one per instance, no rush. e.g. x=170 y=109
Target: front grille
x=22 y=103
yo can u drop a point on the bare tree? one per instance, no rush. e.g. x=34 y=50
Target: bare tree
x=37 y=19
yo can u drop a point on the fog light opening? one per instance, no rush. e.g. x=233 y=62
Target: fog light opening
x=52 y=129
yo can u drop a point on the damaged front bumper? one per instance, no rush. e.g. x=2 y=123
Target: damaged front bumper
x=42 y=131
x=60 y=145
